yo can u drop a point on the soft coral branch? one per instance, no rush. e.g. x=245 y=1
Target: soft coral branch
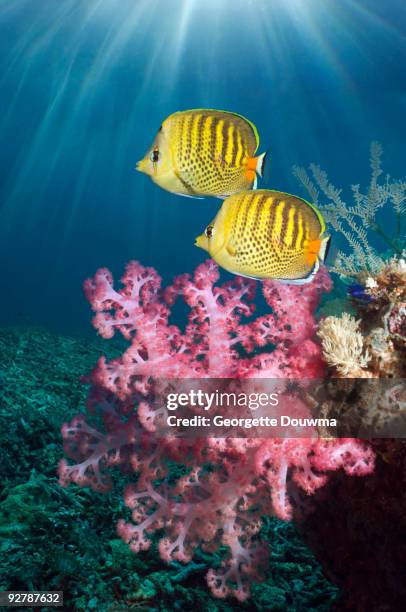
x=227 y=484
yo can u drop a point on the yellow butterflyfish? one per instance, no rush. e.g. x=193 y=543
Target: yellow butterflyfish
x=204 y=152
x=267 y=234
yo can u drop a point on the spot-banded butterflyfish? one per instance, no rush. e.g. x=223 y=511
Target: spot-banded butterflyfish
x=204 y=152
x=267 y=234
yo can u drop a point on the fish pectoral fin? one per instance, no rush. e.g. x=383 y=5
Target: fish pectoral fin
x=231 y=250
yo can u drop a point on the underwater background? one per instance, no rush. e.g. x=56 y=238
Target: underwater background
x=84 y=85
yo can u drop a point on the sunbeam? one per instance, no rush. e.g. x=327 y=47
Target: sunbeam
x=85 y=86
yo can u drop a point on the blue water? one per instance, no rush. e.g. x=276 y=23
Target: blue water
x=84 y=84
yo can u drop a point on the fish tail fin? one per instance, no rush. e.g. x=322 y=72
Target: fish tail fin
x=324 y=248
x=315 y=252
x=260 y=163
x=256 y=164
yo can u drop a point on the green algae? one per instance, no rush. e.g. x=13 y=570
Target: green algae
x=65 y=539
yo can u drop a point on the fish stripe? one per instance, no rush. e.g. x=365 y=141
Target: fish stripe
x=264 y=214
x=285 y=221
x=206 y=131
x=252 y=210
x=307 y=230
x=195 y=132
x=278 y=223
x=240 y=148
x=224 y=139
x=213 y=138
x=200 y=138
x=230 y=144
x=244 y=215
x=214 y=152
x=255 y=219
x=202 y=133
x=179 y=133
x=275 y=204
x=219 y=138
x=295 y=227
x=241 y=217
x=235 y=146
x=290 y=227
x=233 y=227
x=260 y=200
x=300 y=232
x=271 y=216
x=187 y=135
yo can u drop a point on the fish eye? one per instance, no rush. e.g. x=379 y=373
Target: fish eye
x=209 y=231
x=155 y=155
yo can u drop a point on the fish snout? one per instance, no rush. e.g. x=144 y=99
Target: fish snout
x=141 y=166
x=202 y=242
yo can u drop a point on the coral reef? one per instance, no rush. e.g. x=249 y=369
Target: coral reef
x=384 y=318
x=343 y=345
x=354 y=222
x=372 y=343
x=375 y=345
x=230 y=482
x=371 y=347
x=365 y=532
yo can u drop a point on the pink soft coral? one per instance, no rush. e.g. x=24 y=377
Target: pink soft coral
x=208 y=346
x=227 y=483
